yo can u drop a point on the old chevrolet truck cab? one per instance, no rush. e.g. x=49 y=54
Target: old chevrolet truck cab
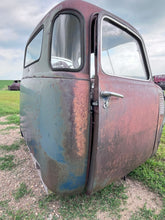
x=90 y=111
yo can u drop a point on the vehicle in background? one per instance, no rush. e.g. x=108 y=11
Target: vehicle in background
x=90 y=111
x=160 y=80
x=15 y=85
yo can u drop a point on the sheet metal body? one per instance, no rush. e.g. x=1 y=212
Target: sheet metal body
x=56 y=121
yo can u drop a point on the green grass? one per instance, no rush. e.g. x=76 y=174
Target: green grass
x=9 y=128
x=4 y=203
x=8 y=148
x=22 y=142
x=4 y=84
x=21 y=191
x=9 y=102
x=22 y=215
x=82 y=206
x=6 y=162
x=144 y=214
x=152 y=172
x=11 y=119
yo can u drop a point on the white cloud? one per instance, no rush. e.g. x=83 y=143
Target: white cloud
x=11 y=62
x=19 y=14
x=7 y=35
x=155 y=44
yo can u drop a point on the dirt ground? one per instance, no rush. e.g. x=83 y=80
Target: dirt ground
x=26 y=172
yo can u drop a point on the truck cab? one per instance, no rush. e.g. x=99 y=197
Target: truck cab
x=90 y=111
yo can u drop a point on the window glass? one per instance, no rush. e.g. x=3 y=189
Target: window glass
x=66 y=43
x=33 y=50
x=121 y=54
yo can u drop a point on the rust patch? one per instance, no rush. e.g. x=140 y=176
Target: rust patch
x=80 y=113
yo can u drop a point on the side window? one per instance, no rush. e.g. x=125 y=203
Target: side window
x=33 y=50
x=66 y=48
x=121 y=54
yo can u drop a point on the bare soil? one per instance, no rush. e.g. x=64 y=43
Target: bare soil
x=26 y=172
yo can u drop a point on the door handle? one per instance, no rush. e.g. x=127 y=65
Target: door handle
x=107 y=95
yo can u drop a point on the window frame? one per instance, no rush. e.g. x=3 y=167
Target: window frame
x=139 y=41
x=80 y=17
x=30 y=40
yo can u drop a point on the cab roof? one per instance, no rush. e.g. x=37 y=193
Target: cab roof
x=84 y=8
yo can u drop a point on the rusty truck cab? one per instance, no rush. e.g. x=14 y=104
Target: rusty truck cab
x=90 y=112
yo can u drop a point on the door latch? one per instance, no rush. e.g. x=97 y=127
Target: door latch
x=106 y=103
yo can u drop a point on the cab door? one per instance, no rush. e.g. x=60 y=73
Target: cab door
x=125 y=117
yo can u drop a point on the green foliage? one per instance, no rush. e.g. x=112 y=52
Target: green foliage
x=4 y=84
x=82 y=206
x=6 y=162
x=21 y=191
x=9 y=102
x=152 y=173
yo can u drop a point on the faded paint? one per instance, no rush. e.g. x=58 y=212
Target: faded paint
x=52 y=136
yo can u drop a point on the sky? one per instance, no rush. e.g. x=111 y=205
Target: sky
x=18 y=19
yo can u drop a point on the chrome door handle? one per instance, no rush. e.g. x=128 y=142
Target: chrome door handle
x=107 y=95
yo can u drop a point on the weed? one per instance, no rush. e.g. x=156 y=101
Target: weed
x=82 y=206
x=12 y=147
x=21 y=191
x=6 y=162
